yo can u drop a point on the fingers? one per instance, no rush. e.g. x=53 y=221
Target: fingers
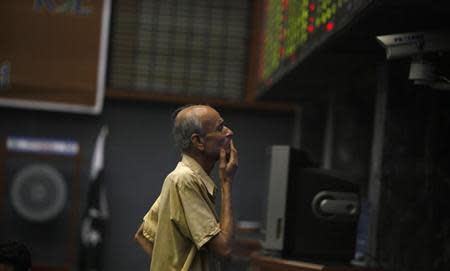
x=223 y=158
x=232 y=145
x=228 y=163
x=233 y=154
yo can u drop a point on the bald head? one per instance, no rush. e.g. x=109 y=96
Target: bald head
x=189 y=112
x=189 y=120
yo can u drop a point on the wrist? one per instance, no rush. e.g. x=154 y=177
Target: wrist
x=225 y=185
x=226 y=180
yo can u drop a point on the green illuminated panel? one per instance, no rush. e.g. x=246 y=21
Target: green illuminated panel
x=297 y=23
x=271 y=43
x=294 y=28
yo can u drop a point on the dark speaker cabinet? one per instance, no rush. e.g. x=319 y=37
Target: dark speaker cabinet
x=39 y=203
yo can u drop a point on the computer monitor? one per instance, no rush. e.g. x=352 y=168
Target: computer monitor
x=310 y=213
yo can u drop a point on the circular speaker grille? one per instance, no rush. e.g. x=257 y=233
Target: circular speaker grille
x=38 y=192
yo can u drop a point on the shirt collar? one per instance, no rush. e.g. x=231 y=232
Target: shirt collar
x=192 y=164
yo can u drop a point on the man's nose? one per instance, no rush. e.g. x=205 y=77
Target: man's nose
x=228 y=132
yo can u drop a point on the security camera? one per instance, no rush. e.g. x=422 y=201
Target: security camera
x=424 y=73
x=414 y=43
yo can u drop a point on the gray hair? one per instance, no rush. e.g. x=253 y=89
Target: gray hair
x=183 y=131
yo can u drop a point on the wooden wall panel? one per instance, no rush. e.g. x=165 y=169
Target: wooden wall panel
x=53 y=54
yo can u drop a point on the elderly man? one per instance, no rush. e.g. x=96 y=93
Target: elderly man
x=181 y=231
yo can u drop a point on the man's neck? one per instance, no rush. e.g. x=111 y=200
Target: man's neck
x=203 y=161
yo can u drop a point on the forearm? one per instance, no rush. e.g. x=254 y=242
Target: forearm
x=145 y=244
x=222 y=243
x=226 y=213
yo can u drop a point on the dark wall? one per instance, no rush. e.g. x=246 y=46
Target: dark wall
x=139 y=154
x=413 y=225
x=348 y=106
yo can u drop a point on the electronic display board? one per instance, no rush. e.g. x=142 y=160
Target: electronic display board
x=292 y=29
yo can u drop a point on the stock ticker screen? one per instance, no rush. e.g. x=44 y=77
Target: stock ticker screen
x=291 y=29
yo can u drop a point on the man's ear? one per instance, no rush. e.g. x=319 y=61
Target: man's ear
x=197 y=142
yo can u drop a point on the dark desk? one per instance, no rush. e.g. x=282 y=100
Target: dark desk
x=266 y=263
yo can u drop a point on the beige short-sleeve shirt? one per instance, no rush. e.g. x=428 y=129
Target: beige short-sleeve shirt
x=182 y=219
